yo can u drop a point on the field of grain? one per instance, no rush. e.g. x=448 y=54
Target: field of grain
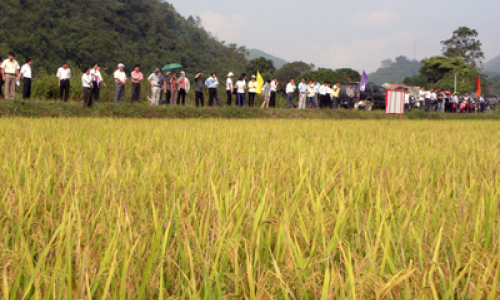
x=249 y=209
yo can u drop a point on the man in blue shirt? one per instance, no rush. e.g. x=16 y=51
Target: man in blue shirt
x=212 y=83
x=302 y=93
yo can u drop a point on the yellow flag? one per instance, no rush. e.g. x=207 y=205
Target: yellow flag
x=260 y=83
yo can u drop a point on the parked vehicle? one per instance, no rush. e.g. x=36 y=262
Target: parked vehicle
x=491 y=102
x=374 y=94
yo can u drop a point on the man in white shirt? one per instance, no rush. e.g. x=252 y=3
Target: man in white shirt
x=96 y=81
x=229 y=88
x=421 y=98
x=303 y=93
x=154 y=81
x=87 y=90
x=120 y=80
x=482 y=103
x=290 y=94
x=26 y=72
x=10 y=75
x=63 y=75
x=274 y=88
x=311 y=94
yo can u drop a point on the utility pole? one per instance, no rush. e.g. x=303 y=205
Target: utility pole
x=455 y=88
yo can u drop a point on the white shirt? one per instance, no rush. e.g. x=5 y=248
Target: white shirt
x=86 y=80
x=26 y=71
x=322 y=90
x=427 y=95
x=433 y=96
x=95 y=73
x=421 y=95
x=481 y=100
x=120 y=75
x=407 y=98
x=10 y=67
x=290 y=88
x=329 y=91
x=240 y=85
x=63 y=74
x=229 y=83
x=273 y=86
x=155 y=80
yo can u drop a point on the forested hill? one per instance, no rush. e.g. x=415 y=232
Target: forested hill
x=148 y=32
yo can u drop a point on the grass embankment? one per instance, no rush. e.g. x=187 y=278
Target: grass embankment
x=249 y=209
x=42 y=109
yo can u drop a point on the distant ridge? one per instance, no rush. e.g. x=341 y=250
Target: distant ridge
x=492 y=66
x=256 y=53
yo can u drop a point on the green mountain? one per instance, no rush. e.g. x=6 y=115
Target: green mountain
x=395 y=71
x=492 y=66
x=147 y=32
x=255 y=53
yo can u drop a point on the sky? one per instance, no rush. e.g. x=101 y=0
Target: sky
x=357 y=34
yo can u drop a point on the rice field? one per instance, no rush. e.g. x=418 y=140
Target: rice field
x=249 y=209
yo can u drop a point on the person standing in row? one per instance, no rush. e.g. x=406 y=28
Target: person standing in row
x=302 y=93
x=336 y=95
x=120 y=81
x=10 y=75
x=174 y=88
x=421 y=98
x=290 y=94
x=266 y=92
x=154 y=81
x=252 y=91
x=184 y=87
x=241 y=86
x=322 y=96
x=136 y=77
x=212 y=83
x=199 y=97
x=311 y=94
x=482 y=103
x=97 y=80
x=350 y=95
x=26 y=72
x=274 y=88
x=317 y=90
x=64 y=75
x=87 y=90
x=229 y=88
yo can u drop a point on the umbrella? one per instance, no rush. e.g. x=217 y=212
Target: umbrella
x=171 y=66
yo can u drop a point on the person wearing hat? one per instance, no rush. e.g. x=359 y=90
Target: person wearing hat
x=120 y=80
x=184 y=87
x=63 y=75
x=252 y=91
x=229 y=88
x=154 y=81
x=136 y=77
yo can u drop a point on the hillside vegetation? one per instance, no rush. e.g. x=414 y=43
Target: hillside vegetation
x=148 y=32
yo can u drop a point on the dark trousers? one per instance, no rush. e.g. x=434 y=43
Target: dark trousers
x=427 y=105
x=251 y=99
x=136 y=92
x=310 y=102
x=482 y=106
x=336 y=102
x=272 y=100
x=182 y=95
x=87 y=97
x=199 y=98
x=64 y=88
x=167 y=94
x=229 y=97
x=290 y=97
x=26 y=88
x=95 y=92
x=212 y=94
x=1 y=83
x=323 y=101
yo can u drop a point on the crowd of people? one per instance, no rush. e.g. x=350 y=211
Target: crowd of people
x=171 y=89
x=443 y=101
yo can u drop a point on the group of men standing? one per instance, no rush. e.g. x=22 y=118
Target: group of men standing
x=11 y=72
x=316 y=95
x=442 y=101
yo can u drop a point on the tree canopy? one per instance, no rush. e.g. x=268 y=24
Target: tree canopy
x=147 y=32
x=395 y=71
x=464 y=44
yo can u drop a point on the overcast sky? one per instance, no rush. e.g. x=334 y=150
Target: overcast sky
x=357 y=33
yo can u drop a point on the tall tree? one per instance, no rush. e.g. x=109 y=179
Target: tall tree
x=292 y=70
x=464 y=44
x=260 y=64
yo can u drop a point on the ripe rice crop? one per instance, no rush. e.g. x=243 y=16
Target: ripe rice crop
x=249 y=209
